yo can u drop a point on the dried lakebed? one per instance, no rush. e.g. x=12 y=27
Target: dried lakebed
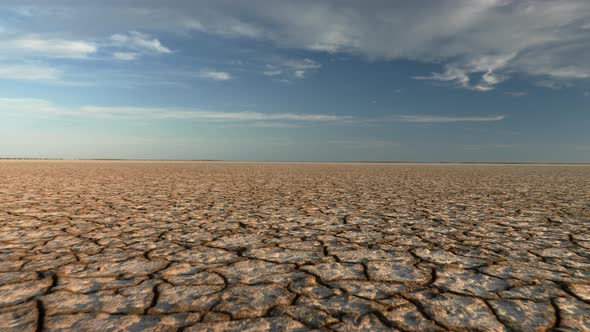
x=164 y=246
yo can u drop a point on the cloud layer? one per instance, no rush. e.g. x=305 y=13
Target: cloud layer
x=480 y=44
x=259 y=119
x=19 y=105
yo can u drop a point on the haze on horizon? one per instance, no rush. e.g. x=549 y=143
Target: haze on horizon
x=487 y=80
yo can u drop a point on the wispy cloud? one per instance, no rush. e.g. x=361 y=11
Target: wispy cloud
x=18 y=105
x=516 y=93
x=215 y=75
x=35 y=45
x=272 y=72
x=291 y=68
x=447 y=119
x=304 y=64
x=125 y=56
x=172 y=113
x=551 y=84
x=364 y=143
x=463 y=36
x=484 y=68
x=489 y=146
x=29 y=72
x=299 y=73
x=530 y=34
x=232 y=28
x=23 y=11
x=540 y=39
x=139 y=41
x=257 y=118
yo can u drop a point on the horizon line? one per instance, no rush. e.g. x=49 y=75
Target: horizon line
x=299 y=161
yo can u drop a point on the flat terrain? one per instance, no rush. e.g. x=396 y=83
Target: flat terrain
x=278 y=246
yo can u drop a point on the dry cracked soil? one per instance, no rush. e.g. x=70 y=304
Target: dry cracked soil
x=203 y=246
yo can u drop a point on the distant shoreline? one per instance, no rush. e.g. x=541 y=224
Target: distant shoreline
x=309 y=162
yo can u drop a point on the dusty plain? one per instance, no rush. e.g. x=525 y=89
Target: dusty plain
x=193 y=246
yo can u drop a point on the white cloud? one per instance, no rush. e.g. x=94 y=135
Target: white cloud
x=480 y=43
x=304 y=64
x=47 y=47
x=486 y=67
x=587 y=93
x=275 y=72
x=256 y=118
x=273 y=124
x=299 y=73
x=230 y=27
x=291 y=68
x=547 y=40
x=139 y=41
x=172 y=113
x=551 y=84
x=125 y=56
x=447 y=119
x=23 y=11
x=29 y=72
x=537 y=38
x=215 y=75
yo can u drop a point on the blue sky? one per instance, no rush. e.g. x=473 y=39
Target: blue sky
x=488 y=80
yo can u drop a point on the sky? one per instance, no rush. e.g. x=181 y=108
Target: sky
x=296 y=80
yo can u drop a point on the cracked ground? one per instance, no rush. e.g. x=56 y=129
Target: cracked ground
x=165 y=246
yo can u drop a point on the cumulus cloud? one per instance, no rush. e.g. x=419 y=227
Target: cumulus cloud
x=215 y=75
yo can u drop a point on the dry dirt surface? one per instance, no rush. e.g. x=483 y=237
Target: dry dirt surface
x=165 y=246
